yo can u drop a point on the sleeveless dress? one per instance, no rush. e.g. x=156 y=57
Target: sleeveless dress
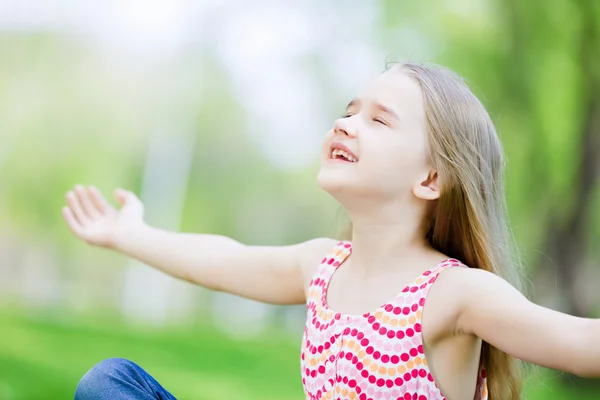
x=377 y=355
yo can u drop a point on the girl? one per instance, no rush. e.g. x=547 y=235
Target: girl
x=416 y=306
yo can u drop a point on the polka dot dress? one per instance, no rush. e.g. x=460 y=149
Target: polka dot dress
x=376 y=355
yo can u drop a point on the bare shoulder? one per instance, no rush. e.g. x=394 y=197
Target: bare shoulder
x=310 y=254
x=454 y=289
x=466 y=284
x=465 y=274
x=470 y=281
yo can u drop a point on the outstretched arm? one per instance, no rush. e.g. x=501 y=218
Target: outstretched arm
x=496 y=312
x=271 y=274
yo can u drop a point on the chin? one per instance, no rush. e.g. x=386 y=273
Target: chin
x=348 y=186
x=336 y=181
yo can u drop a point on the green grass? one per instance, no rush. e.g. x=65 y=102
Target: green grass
x=44 y=356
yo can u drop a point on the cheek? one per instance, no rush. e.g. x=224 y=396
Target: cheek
x=326 y=140
x=395 y=162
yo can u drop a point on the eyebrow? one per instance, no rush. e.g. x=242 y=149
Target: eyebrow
x=387 y=110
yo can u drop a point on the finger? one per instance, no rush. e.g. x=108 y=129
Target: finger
x=72 y=222
x=125 y=197
x=76 y=209
x=121 y=196
x=98 y=200
x=86 y=203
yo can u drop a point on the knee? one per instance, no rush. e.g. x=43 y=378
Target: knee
x=97 y=380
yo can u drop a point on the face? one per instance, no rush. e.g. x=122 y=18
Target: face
x=378 y=148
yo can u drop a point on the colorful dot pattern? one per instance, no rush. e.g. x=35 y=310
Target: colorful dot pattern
x=376 y=355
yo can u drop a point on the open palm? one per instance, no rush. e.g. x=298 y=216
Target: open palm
x=91 y=218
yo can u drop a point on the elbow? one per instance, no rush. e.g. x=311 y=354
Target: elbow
x=585 y=360
x=585 y=367
x=579 y=367
x=585 y=370
x=190 y=275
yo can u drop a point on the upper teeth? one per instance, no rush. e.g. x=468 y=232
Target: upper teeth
x=338 y=152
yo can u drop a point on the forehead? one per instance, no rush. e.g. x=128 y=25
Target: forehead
x=398 y=91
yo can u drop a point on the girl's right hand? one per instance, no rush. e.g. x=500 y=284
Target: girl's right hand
x=91 y=218
x=270 y=274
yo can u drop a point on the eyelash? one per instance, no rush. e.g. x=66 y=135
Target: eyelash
x=382 y=122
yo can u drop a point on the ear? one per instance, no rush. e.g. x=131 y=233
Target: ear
x=427 y=188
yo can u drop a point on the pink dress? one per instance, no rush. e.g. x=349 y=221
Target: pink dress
x=377 y=355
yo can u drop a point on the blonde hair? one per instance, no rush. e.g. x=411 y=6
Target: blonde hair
x=468 y=221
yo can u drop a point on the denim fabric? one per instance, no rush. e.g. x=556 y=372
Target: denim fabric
x=119 y=379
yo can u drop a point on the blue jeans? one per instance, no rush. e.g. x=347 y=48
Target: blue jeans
x=119 y=379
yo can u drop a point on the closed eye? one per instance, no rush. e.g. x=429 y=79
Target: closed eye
x=379 y=120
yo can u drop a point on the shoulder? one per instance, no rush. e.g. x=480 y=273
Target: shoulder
x=455 y=289
x=463 y=283
x=310 y=254
x=465 y=279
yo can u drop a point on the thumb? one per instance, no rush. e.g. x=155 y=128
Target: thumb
x=123 y=196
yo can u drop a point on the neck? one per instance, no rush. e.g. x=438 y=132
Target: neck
x=382 y=241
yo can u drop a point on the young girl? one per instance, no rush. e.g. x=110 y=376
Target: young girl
x=416 y=306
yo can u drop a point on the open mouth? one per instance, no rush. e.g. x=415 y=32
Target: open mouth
x=339 y=154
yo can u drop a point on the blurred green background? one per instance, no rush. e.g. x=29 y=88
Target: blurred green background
x=213 y=112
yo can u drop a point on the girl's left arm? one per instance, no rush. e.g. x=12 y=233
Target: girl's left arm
x=499 y=314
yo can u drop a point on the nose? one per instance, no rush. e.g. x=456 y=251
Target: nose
x=344 y=126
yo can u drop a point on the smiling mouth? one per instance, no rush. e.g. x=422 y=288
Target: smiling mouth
x=338 y=154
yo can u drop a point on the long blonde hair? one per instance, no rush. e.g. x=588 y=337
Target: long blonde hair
x=468 y=222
